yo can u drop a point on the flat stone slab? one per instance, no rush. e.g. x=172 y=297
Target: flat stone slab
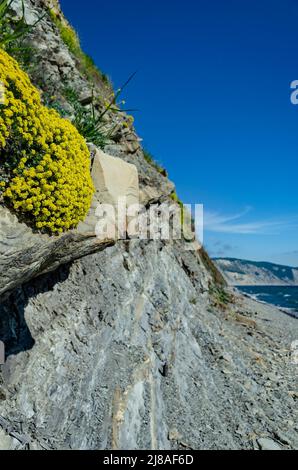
x=268 y=444
x=113 y=179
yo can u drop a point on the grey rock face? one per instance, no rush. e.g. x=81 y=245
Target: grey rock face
x=54 y=63
x=24 y=254
x=112 y=353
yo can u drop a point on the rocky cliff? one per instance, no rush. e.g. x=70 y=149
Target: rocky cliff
x=138 y=345
x=252 y=273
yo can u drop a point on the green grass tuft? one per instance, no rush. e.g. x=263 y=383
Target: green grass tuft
x=221 y=298
x=149 y=159
x=217 y=277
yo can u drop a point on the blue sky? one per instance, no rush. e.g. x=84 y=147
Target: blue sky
x=213 y=97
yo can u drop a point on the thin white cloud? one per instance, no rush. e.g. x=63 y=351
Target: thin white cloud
x=290 y=253
x=219 y=223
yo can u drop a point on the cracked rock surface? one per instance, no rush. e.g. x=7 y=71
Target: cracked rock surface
x=122 y=350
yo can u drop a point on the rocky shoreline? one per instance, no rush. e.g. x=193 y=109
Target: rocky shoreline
x=290 y=312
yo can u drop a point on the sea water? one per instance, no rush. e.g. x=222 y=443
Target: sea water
x=285 y=297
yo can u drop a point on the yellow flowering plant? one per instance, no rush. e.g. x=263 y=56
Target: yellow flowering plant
x=47 y=159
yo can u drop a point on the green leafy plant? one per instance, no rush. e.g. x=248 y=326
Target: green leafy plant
x=175 y=198
x=150 y=159
x=90 y=123
x=92 y=127
x=221 y=298
x=11 y=29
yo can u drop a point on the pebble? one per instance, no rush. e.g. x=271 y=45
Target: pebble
x=268 y=444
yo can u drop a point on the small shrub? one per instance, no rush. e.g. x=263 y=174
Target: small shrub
x=221 y=297
x=175 y=198
x=68 y=36
x=149 y=159
x=90 y=122
x=46 y=159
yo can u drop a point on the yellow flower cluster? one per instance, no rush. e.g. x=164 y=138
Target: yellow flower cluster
x=50 y=182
